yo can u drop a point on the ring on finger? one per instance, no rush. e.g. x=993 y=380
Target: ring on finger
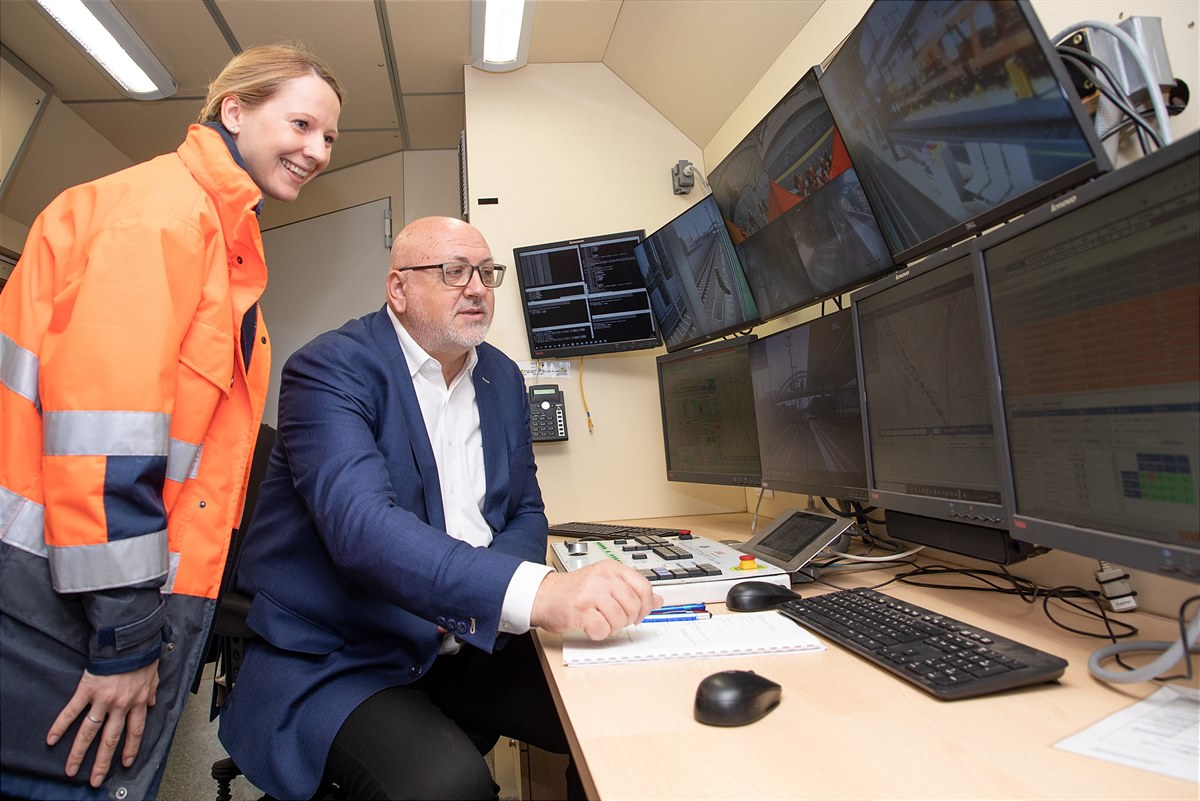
x=88 y=715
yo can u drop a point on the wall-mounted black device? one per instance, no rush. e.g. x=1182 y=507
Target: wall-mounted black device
x=547 y=413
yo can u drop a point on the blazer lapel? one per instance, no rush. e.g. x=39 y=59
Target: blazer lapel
x=418 y=437
x=495 y=447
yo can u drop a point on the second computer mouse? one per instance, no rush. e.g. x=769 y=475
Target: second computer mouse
x=735 y=698
x=754 y=596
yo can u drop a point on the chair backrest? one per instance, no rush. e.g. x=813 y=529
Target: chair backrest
x=230 y=631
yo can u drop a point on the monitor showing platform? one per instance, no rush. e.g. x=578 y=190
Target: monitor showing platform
x=697 y=288
x=957 y=116
x=795 y=210
x=807 y=409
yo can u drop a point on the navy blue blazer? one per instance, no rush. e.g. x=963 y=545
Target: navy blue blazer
x=347 y=557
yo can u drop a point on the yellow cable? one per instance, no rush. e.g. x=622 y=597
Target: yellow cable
x=583 y=397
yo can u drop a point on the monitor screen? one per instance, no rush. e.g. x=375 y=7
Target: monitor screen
x=795 y=209
x=708 y=414
x=585 y=296
x=807 y=408
x=697 y=288
x=957 y=115
x=927 y=400
x=1095 y=304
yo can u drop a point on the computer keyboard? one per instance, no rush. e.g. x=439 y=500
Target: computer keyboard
x=939 y=654
x=611 y=531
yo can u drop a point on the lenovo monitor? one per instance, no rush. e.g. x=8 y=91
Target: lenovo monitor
x=585 y=296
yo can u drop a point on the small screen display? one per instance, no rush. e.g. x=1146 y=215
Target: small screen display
x=798 y=532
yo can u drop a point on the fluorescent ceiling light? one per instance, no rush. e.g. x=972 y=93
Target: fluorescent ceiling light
x=109 y=41
x=500 y=33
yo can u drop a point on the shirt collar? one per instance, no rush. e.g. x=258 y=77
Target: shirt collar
x=416 y=357
x=233 y=151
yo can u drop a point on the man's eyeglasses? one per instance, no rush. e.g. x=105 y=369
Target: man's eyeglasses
x=458 y=274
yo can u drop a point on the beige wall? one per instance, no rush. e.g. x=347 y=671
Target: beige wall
x=569 y=150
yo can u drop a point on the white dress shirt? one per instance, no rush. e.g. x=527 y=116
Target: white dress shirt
x=451 y=416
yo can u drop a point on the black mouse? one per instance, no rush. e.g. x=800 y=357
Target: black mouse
x=754 y=596
x=735 y=698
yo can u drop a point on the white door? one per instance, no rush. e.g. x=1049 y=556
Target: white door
x=322 y=272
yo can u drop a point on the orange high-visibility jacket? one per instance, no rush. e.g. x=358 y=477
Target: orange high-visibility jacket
x=128 y=414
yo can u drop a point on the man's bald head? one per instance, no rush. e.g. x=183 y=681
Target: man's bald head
x=428 y=240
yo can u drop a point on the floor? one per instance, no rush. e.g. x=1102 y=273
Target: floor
x=189 y=765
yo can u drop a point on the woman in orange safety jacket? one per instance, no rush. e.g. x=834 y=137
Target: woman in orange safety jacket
x=133 y=373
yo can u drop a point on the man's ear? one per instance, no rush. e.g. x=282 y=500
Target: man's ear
x=395 y=292
x=231 y=114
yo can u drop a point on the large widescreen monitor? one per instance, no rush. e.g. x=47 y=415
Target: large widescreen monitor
x=795 y=209
x=930 y=407
x=585 y=296
x=958 y=115
x=807 y=409
x=708 y=414
x=1095 y=303
x=697 y=288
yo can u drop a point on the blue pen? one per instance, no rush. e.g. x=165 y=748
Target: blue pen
x=670 y=610
x=675 y=618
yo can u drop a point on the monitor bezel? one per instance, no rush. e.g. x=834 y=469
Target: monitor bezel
x=741 y=328
x=846 y=286
x=979 y=514
x=692 y=477
x=1098 y=164
x=567 y=351
x=1174 y=560
x=815 y=488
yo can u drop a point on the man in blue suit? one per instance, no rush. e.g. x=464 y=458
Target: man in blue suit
x=397 y=554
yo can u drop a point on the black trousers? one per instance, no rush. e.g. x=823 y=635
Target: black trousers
x=427 y=739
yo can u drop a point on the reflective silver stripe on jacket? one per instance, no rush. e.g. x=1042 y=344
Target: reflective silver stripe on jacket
x=18 y=369
x=76 y=433
x=83 y=568
x=22 y=523
x=183 y=460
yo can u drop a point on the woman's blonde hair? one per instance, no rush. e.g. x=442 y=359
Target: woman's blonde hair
x=255 y=75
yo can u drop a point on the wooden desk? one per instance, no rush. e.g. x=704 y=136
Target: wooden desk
x=846 y=728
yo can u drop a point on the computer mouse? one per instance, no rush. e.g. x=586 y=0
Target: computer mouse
x=754 y=596
x=735 y=698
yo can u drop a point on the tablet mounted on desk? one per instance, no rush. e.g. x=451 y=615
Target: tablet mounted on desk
x=794 y=538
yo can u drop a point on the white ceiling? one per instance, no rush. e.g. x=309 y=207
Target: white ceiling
x=401 y=62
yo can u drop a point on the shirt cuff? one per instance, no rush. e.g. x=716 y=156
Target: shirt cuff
x=518 y=600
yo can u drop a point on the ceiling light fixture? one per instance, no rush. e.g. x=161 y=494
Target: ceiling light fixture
x=500 y=34
x=109 y=41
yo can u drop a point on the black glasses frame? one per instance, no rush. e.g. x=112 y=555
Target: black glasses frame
x=471 y=269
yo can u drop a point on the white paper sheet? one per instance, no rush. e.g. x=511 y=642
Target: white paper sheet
x=1159 y=734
